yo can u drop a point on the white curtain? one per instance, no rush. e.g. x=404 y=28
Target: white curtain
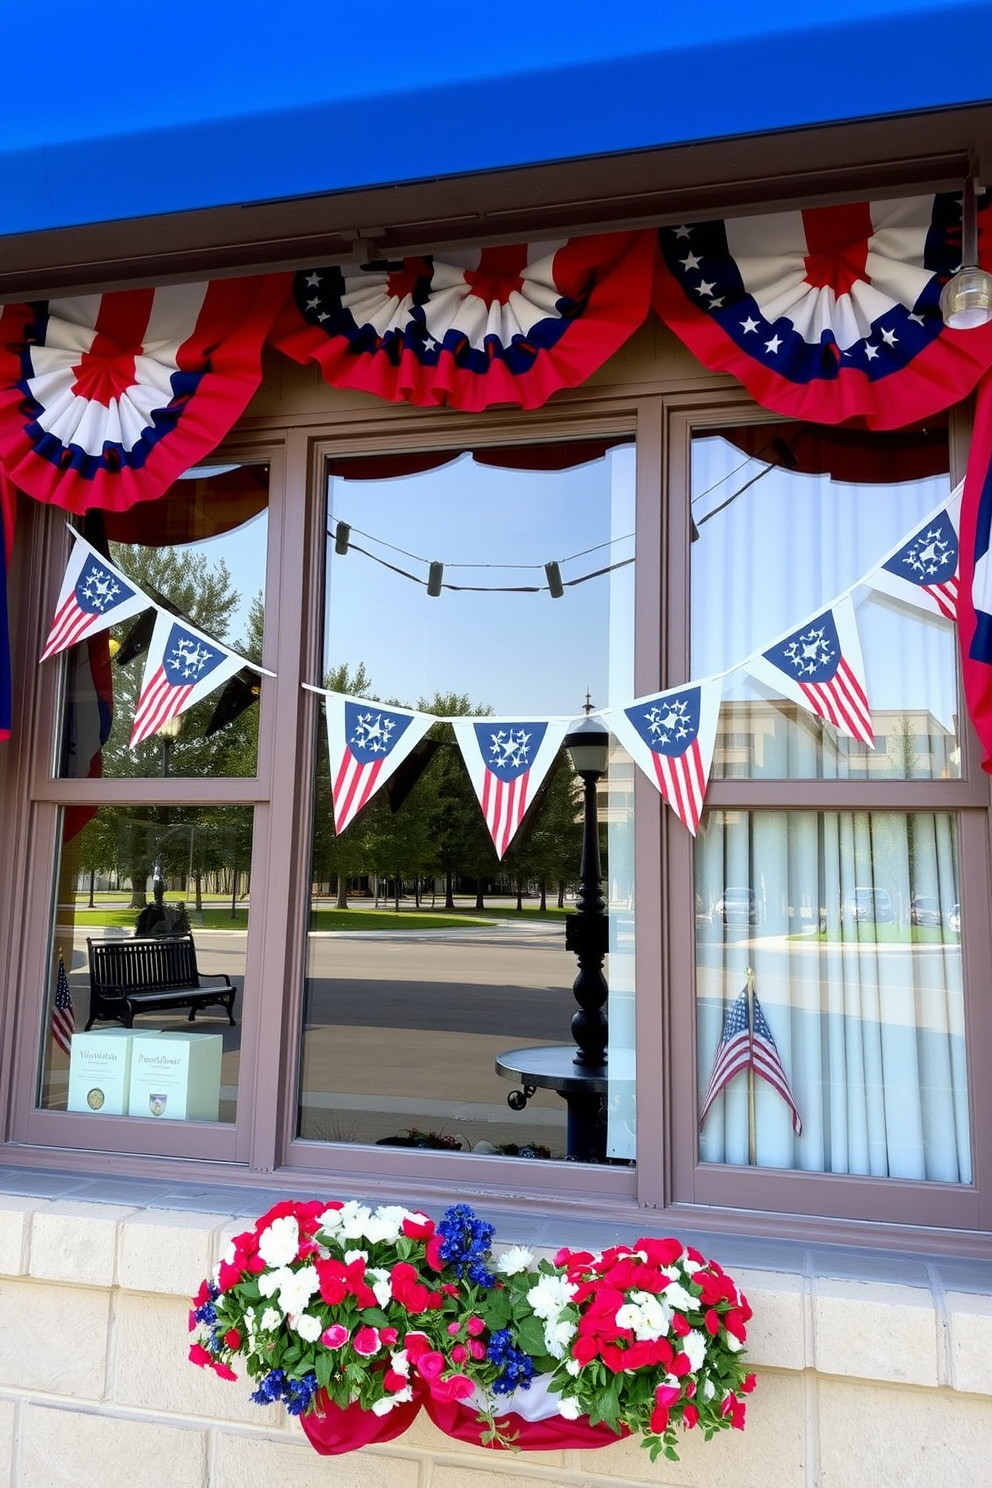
x=847 y=918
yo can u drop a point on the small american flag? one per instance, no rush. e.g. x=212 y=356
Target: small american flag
x=733 y=1054
x=63 y=1017
x=768 y=1064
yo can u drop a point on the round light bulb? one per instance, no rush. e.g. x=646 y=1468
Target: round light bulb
x=966 y=299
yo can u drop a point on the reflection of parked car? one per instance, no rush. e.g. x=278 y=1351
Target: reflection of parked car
x=869 y=904
x=954 y=919
x=737 y=906
x=924 y=910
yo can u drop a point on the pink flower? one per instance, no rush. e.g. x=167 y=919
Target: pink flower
x=667 y=1394
x=476 y=1349
x=366 y=1341
x=388 y=1336
x=459 y=1354
x=474 y=1326
x=416 y=1345
x=457 y=1387
x=431 y=1364
x=454 y=1329
x=394 y=1381
x=334 y=1336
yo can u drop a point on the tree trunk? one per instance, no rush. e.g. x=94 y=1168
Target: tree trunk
x=561 y=893
x=92 y=882
x=341 y=900
x=199 y=892
x=479 y=891
x=449 y=890
x=520 y=897
x=416 y=889
x=234 y=895
x=396 y=894
x=544 y=895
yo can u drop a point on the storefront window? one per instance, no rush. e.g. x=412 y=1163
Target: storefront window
x=428 y=955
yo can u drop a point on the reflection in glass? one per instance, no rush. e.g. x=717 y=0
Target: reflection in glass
x=427 y=957
x=199 y=552
x=850 y=924
x=128 y=873
x=787 y=519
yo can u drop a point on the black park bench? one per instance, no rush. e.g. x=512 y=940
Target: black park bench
x=151 y=976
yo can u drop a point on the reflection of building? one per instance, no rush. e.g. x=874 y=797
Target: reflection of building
x=476 y=142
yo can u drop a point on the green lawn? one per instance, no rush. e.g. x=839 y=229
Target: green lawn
x=870 y=934
x=215 y=918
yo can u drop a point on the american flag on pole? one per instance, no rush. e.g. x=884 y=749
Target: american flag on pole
x=819 y=666
x=63 y=1017
x=507 y=761
x=94 y=596
x=733 y=1053
x=671 y=737
x=367 y=743
x=183 y=666
x=747 y=1043
x=925 y=569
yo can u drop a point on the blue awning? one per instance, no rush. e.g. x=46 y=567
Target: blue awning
x=112 y=110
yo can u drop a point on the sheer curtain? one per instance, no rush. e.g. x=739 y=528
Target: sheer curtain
x=847 y=918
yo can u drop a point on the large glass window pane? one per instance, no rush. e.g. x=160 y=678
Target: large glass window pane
x=134 y=884
x=199 y=553
x=787 y=519
x=828 y=946
x=428 y=957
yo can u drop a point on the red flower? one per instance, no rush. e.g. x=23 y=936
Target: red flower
x=457 y=1387
x=418 y=1227
x=338 y=1281
x=232 y=1338
x=255 y=1265
x=228 y=1276
x=681 y=1365
x=408 y=1289
x=690 y=1416
x=203 y=1295
x=198 y=1355
x=416 y=1345
x=660 y=1252
x=223 y=1370
x=667 y=1394
x=430 y=1364
x=585 y=1350
x=394 y=1381
x=680 y=1326
x=366 y=1341
x=659 y=1419
x=734 y=1323
x=432 y=1253
x=735 y=1409
x=749 y=1383
x=712 y=1321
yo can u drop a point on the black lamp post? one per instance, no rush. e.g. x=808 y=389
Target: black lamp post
x=587 y=931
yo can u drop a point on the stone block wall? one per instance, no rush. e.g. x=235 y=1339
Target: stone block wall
x=858 y=1381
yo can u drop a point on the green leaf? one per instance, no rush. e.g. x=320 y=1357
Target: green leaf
x=374 y=1317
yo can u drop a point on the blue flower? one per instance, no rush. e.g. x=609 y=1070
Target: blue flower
x=465 y=1242
x=270 y=1389
x=517 y=1367
x=299 y=1393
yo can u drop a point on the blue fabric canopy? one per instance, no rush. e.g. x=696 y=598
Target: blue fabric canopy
x=112 y=110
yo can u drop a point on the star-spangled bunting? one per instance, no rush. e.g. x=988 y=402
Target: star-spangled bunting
x=507 y=760
x=8 y=503
x=105 y=399
x=367 y=742
x=975 y=592
x=746 y=1043
x=182 y=666
x=671 y=737
x=831 y=313
x=819 y=666
x=94 y=596
x=63 y=1015
x=925 y=569
x=494 y=325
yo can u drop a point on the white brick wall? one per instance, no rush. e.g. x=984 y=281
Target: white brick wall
x=859 y=1382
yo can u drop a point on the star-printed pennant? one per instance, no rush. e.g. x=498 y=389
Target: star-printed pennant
x=819 y=666
x=367 y=742
x=924 y=570
x=671 y=735
x=507 y=760
x=183 y=666
x=94 y=596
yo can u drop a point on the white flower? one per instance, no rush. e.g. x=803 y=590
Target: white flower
x=572 y=1367
x=352 y=1220
x=557 y=1337
x=694 y=1347
x=677 y=1296
x=707 y=1389
x=629 y=1316
x=384 y=1406
x=381 y=1283
x=385 y=1224
x=330 y=1220
x=296 y=1288
x=280 y=1242
x=270 y=1281
x=229 y=1255
x=733 y=1344
x=517 y=1258
x=570 y=1409
x=271 y=1319
x=355 y=1255
x=308 y=1326
x=550 y=1295
x=401 y=1363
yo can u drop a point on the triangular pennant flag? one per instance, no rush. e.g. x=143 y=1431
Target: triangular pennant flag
x=183 y=666
x=94 y=596
x=819 y=666
x=671 y=735
x=507 y=760
x=367 y=742
x=925 y=569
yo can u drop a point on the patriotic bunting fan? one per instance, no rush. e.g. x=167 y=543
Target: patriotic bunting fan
x=924 y=570
x=7 y=508
x=106 y=399
x=828 y=314
x=671 y=737
x=367 y=743
x=819 y=666
x=94 y=596
x=507 y=761
x=975 y=593
x=183 y=666
x=484 y=326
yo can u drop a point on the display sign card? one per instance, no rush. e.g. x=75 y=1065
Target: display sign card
x=176 y=1076
x=100 y=1071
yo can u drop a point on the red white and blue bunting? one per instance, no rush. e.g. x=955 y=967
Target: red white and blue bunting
x=507 y=761
x=106 y=399
x=483 y=326
x=183 y=666
x=671 y=737
x=830 y=314
x=367 y=744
